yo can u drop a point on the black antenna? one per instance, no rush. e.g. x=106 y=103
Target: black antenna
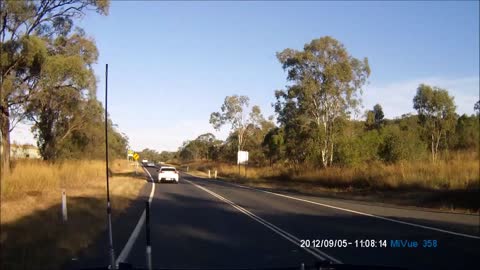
x=109 y=208
x=147 y=230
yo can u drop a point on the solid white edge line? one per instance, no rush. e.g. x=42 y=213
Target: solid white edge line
x=133 y=237
x=313 y=251
x=357 y=212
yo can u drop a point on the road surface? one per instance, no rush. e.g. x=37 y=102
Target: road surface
x=202 y=223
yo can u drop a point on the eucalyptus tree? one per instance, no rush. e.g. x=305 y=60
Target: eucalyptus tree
x=234 y=111
x=66 y=83
x=326 y=83
x=436 y=112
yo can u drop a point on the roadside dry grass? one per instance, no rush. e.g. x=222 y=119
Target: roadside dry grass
x=451 y=184
x=33 y=234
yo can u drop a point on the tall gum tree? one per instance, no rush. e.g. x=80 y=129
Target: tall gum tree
x=233 y=111
x=436 y=113
x=24 y=25
x=67 y=81
x=327 y=82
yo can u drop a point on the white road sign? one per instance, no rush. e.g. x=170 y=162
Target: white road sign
x=242 y=157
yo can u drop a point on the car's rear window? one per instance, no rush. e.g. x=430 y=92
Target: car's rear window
x=168 y=170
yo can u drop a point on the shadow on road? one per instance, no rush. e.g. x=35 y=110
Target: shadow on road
x=43 y=241
x=190 y=228
x=407 y=196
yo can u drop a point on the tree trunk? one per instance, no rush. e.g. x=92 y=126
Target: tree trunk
x=331 y=153
x=436 y=146
x=433 y=148
x=5 y=142
x=239 y=141
x=325 y=146
x=48 y=146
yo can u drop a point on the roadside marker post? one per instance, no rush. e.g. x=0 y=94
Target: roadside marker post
x=209 y=174
x=64 y=206
x=215 y=174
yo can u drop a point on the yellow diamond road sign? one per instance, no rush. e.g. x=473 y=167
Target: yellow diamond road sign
x=136 y=156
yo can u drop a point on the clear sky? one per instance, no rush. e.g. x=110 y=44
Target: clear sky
x=172 y=63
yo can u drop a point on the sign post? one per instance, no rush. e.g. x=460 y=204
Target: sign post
x=136 y=157
x=242 y=158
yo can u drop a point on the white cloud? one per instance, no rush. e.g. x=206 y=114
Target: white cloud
x=397 y=98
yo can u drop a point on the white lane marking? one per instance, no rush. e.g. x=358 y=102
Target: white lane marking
x=315 y=252
x=358 y=212
x=133 y=237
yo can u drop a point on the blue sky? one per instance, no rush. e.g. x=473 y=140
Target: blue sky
x=172 y=63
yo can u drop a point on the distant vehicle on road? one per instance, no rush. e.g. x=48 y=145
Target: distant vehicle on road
x=150 y=164
x=168 y=174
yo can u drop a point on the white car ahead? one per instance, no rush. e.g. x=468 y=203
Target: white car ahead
x=168 y=174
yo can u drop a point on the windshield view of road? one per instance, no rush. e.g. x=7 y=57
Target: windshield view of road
x=239 y=135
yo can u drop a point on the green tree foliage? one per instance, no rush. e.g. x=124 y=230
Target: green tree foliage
x=374 y=118
x=205 y=147
x=296 y=128
x=399 y=144
x=26 y=29
x=206 y=144
x=66 y=90
x=378 y=112
x=467 y=132
x=370 y=120
x=436 y=111
x=167 y=156
x=150 y=155
x=326 y=82
x=274 y=145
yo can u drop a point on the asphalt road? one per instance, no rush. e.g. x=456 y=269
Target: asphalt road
x=203 y=223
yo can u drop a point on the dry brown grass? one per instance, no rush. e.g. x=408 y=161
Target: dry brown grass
x=460 y=172
x=30 y=209
x=448 y=184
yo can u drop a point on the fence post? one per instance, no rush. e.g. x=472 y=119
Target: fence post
x=64 y=206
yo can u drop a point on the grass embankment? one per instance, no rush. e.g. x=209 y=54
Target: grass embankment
x=33 y=235
x=451 y=184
